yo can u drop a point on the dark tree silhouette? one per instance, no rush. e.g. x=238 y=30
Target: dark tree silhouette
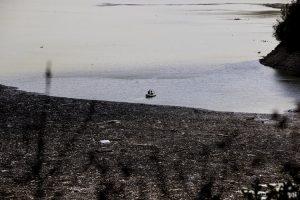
x=287 y=29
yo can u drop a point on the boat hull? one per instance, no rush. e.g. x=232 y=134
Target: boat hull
x=150 y=96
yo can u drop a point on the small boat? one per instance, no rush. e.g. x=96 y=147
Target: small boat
x=150 y=94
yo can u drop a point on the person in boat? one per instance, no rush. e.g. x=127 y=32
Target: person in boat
x=150 y=92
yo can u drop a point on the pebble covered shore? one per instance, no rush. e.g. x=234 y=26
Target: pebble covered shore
x=60 y=148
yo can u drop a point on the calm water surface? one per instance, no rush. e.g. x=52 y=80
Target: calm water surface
x=192 y=53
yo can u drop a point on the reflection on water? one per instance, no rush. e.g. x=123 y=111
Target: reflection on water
x=290 y=85
x=117 y=50
x=240 y=87
x=100 y=35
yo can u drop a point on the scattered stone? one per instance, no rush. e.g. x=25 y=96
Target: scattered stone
x=164 y=162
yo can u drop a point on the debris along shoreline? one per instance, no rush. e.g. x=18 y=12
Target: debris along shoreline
x=84 y=149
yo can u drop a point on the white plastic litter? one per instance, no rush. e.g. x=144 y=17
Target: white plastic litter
x=104 y=141
x=114 y=122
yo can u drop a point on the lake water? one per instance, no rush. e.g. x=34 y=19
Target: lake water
x=192 y=53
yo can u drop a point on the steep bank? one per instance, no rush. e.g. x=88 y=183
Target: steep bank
x=51 y=147
x=283 y=59
x=286 y=56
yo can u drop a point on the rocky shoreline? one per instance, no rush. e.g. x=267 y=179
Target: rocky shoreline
x=52 y=148
x=284 y=60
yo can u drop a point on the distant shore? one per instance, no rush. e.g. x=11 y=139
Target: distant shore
x=84 y=149
x=275 y=5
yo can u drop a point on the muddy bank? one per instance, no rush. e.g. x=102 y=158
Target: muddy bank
x=52 y=148
x=283 y=59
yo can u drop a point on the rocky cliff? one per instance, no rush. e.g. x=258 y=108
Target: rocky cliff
x=283 y=59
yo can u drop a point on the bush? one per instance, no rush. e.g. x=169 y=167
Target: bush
x=287 y=29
